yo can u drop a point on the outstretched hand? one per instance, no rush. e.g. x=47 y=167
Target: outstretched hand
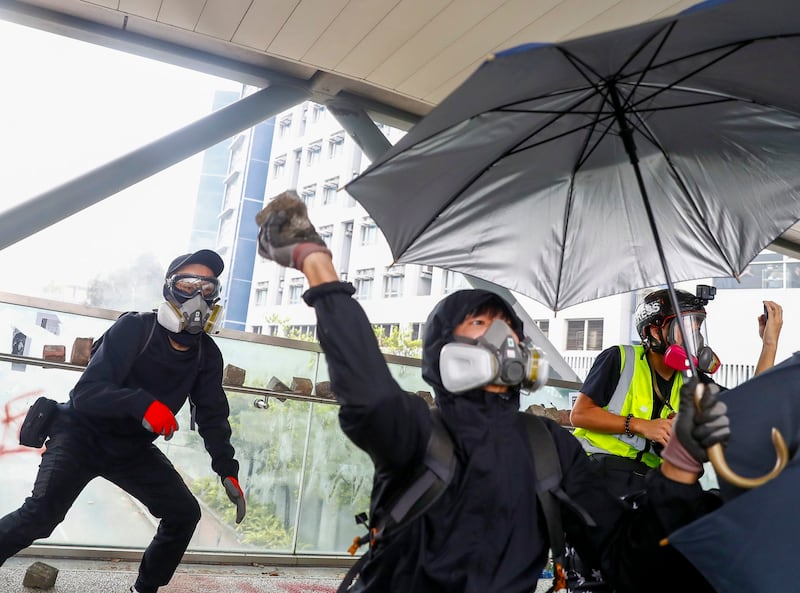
x=286 y=235
x=236 y=495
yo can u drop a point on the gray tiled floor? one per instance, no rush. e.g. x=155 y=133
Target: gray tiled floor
x=82 y=576
x=88 y=576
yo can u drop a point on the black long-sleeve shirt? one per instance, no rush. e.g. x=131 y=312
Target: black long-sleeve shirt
x=120 y=382
x=485 y=533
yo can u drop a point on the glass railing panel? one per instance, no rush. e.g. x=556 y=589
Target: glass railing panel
x=304 y=480
x=337 y=484
x=270 y=444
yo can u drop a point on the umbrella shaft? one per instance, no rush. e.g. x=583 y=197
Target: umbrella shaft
x=626 y=133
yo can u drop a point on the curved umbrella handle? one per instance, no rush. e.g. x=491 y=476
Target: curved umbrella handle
x=724 y=471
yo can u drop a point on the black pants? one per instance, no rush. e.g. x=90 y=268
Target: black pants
x=622 y=476
x=71 y=460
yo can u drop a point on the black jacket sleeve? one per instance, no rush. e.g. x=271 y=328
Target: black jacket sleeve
x=100 y=391
x=376 y=413
x=625 y=542
x=212 y=410
x=634 y=558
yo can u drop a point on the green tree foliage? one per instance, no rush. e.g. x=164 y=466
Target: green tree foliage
x=399 y=342
x=261 y=528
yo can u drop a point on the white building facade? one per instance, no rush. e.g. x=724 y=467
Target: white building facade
x=312 y=155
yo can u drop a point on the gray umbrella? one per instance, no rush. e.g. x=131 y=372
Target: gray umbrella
x=555 y=169
x=660 y=152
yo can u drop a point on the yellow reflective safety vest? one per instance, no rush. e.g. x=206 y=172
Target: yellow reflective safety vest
x=633 y=395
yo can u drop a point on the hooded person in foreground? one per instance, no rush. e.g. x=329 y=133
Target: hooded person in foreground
x=145 y=367
x=485 y=533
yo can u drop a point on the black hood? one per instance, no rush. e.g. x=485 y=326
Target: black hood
x=475 y=418
x=447 y=314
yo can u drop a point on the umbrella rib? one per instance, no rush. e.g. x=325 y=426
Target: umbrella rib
x=511 y=150
x=732 y=48
x=584 y=154
x=580 y=64
x=642 y=127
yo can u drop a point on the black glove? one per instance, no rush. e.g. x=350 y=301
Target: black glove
x=699 y=430
x=286 y=235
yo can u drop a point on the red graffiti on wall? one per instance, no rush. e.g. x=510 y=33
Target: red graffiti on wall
x=14 y=412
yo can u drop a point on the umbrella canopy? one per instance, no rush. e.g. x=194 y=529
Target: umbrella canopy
x=749 y=544
x=554 y=168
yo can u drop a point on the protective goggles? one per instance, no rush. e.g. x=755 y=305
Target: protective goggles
x=694 y=323
x=185 y=286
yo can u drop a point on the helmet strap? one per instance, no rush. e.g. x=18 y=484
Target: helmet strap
x=659 y=346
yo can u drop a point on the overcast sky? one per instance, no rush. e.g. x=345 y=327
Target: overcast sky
x=68 y=107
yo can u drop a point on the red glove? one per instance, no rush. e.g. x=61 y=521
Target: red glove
x=235 y=493
x=159 y=419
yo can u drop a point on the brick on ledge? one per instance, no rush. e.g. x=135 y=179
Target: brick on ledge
x=81 y=350
x=54 y=353
x=233 y=375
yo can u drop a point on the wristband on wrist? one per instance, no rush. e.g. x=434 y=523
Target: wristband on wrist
x=628 y=432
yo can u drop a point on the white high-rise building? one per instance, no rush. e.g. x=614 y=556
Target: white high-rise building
x=312 y=154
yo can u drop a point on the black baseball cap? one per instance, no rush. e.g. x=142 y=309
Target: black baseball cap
x=206 y=257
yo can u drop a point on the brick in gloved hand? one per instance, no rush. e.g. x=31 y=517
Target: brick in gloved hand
x=286 y=235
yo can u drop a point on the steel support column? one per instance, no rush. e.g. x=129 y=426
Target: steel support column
x=360 y=126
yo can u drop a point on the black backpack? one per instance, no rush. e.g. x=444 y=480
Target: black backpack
x=147 y=336
x=439 y=466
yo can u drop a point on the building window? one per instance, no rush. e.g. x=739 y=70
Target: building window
x=364 y=281
x=369 y=232
x=262 y=292
x=386 y=329
x=295 y=290
x=425 y=281
x=257 y=329
x=335 y=145
x=416 y=330
x=284 y=126
x=279 y=166
x=316 y=112
x=453 y=281
x=585 y=334
x=767 y=270
x=308 y=194
x=272 y=330
x=329 y=189
x=312 y=153
x=302 y=331
x=326 y=234
x=392 y=287
x=544 y=326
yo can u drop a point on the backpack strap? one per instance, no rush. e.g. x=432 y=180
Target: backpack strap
x=548 y=480
x=440 y=465
x=147 y=335
x=551 y=495
x=149 y=338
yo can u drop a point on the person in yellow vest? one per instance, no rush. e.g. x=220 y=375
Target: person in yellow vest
x=623 y=414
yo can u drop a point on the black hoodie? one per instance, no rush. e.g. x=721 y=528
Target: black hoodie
x=485 y=533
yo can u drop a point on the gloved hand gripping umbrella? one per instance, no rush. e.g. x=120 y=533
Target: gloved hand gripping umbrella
x=560 y=166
